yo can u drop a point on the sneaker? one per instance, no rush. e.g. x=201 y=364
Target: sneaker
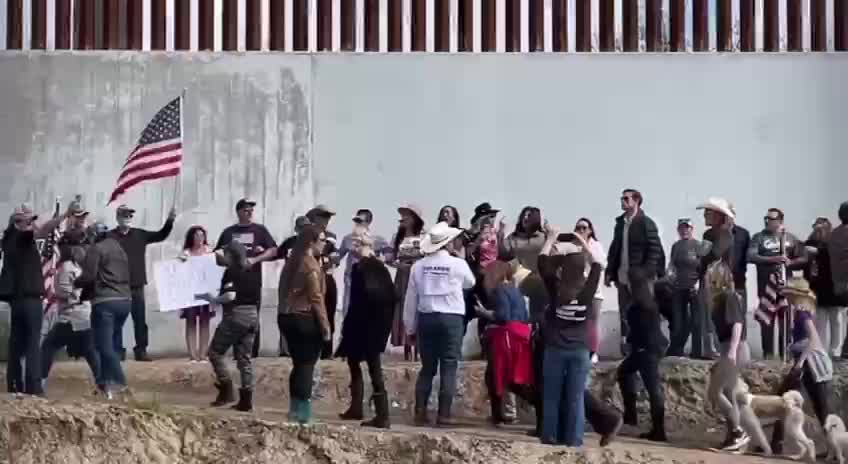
x=737 y=440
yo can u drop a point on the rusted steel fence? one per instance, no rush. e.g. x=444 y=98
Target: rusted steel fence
x=426 y=25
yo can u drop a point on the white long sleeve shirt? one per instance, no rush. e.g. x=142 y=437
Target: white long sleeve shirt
x=436 y=283
x=596 y=250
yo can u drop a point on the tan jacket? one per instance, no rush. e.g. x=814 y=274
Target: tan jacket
x=307 y=292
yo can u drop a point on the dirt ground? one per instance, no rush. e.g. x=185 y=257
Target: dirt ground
x=167 y=421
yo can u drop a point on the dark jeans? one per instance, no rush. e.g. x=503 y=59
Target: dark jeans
x=105 y=317
x=646 y=364
x=81 y=343
x=305 y=344
x=641 y=292
x=767 y=333
x=439 y=340
x=331 y=299
x=819 y=395
x=683 y=302
x=24 y=342
x=602 y=416
x=564 y=410
x=375 y=371
x=139 y=318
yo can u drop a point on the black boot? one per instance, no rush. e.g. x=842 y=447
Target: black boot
x=354 y=412
x=657 y=432
x=496 y=404
x=225 y=394
x=141 y=355
x=245 y=403
x=445 y=418
x=421 y=417
x=381 y=407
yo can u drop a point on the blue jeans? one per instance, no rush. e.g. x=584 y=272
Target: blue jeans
x=565 y=372
x=105 y=317
x=439 y=341
x=139 y=318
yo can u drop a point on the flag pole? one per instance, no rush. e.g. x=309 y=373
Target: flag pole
x=182 y=142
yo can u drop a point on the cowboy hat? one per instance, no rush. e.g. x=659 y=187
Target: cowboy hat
x=438 y=236
x=410 y=208
x=483 y=210
x=798 y=288
x=719 y=205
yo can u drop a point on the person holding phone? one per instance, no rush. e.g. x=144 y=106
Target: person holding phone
x=566 y=358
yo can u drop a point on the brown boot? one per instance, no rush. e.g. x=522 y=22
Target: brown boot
x=421 y=418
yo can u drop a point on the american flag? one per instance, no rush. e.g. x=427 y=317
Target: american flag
x=49 y=257
x=159 y=152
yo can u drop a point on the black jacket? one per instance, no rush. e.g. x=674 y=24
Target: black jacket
x=21 y=276
x=370 y=313
x=819 y=275
x=644 y=248
x=739 y=257
x=134 y=243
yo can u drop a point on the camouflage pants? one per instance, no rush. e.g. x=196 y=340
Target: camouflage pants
x=237 y=329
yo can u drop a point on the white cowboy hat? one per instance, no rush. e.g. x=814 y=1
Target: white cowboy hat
x=411 y=208
x=719 y=205
x=438 y=236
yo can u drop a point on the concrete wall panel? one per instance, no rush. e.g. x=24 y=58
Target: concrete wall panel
x=563 y=132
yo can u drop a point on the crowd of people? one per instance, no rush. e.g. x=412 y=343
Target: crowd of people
x=535 y=292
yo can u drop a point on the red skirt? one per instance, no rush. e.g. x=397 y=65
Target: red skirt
x=511 y=356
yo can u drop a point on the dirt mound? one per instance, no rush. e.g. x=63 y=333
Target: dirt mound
x=685 y=384
x=39 y=431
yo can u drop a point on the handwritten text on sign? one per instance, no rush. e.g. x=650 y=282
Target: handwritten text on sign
x=178 y=281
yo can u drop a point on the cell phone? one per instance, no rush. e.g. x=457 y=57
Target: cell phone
x=566 y=237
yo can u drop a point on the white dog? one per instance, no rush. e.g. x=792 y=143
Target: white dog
x=793 y=423
x=787 y=407
x=837 y=438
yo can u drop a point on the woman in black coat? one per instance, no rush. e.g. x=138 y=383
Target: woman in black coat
x=366 y=329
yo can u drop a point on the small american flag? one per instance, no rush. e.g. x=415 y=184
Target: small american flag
x=159 y=152
x=49 y=257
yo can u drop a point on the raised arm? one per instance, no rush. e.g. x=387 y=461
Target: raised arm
x=163 y=233
x=591 y=286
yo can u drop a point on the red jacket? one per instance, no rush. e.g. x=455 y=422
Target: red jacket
x=511 y=357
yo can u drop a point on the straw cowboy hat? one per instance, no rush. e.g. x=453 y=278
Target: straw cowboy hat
x=410 y=208
x=797 y=290
x=719 y=205
x=438 y=236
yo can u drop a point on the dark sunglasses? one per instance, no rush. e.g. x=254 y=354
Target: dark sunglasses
x=769 y=218
x=626 y=198
x=581 y=227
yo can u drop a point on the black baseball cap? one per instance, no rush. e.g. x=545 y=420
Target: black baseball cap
x=124 y=210
x=245 y=203
x=320 y=211
x=363 y=215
